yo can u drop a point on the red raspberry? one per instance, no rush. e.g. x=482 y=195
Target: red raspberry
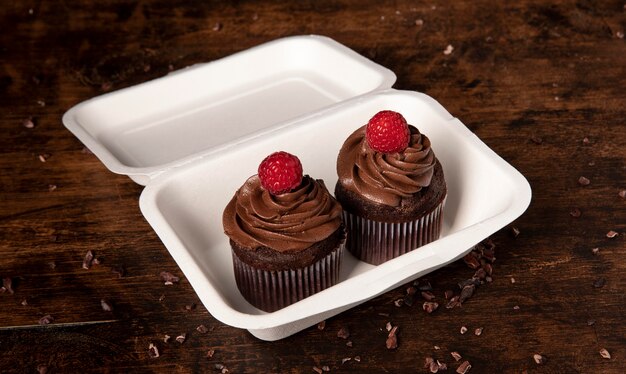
x=280 y=172
x=388 y=132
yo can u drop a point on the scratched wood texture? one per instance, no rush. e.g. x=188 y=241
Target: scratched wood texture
x=532 y=79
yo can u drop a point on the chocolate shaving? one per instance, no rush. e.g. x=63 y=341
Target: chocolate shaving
x=605 y=354
x=388 y=326
x=44 y=157
x=46 y=320
x=430 y=306
x=52 y=187
x=325 y=368
x=539 y=359
x=392 y=339
x=202 y=329
x=87 y=261
x=317 y=370
x=516 y=307
x=583 y=181
x=169 y=278
x=398 y=302
x=181 y=338
x=343 y=333
x=442 y=365
x=24 y=302
x=463 y=330
x=464 y=367
x=321 y=325
x=595 y=250
x=166 y=338
x=357 y=358
x=153 y=351
x=456 y=356
x=106 y=306
x=611 y=234
x=345 y=359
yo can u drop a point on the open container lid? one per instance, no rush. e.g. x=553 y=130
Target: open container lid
x=144 y=130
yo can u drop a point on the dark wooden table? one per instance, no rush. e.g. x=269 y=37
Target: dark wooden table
x=543 y=85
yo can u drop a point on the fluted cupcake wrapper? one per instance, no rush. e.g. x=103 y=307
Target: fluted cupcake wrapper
x=273 y=290
x=376 y=242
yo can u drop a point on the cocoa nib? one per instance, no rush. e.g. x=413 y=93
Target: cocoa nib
x=202 y=329
x=343 y=333
x=575 y=212
x=464 y=367
x=466 y=292
x=600 y=282
x=88 y=260
x=392 y=339
x=583 y=181
x=453 y=302
x=539 y=359
x=46 y=320
x=428 y=296
x=106 y=305
x=321 y=325
x=605 y=354
x=7 y=284
x=153 y=351
x=471 y=260
x=430 y=306
x=169 y=278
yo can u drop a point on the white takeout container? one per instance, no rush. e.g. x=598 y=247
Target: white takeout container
x=193 y=137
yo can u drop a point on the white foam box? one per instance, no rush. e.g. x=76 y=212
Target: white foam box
x=194 y=136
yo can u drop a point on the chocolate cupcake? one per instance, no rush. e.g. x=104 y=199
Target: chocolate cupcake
x=391 y=187
x=286 y=234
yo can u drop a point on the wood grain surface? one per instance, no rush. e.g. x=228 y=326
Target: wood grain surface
x=541 y=83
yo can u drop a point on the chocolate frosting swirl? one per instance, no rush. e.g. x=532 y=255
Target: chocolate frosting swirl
x=385 y=178
x=292 y=221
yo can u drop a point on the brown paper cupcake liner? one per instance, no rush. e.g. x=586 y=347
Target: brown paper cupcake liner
x=273 y=290
x=376 y=242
